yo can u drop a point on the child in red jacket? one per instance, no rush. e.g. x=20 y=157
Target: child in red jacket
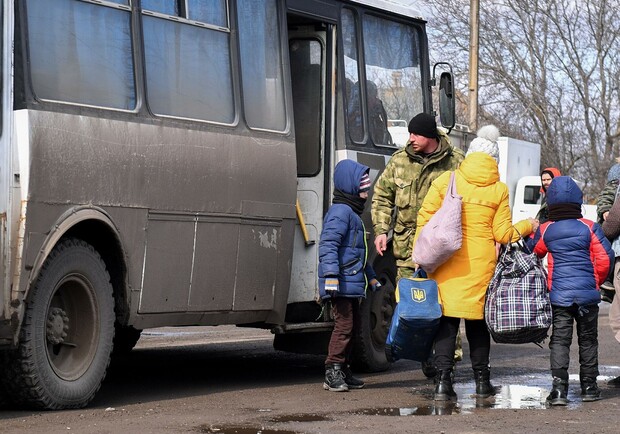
x=579 y=260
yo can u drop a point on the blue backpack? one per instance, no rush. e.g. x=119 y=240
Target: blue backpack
x=416 y=319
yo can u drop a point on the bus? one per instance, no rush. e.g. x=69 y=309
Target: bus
x=168 y=163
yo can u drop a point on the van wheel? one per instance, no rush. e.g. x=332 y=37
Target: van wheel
x=376 y=316
x=66 y=337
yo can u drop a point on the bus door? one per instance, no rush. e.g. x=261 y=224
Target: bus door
x=310 y=59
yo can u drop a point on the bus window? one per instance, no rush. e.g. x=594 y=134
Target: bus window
x=391 y=53
x=306 y=67
x=195 y=81
x=261 y=60
x=80 y=52
x=353 y=91
x=162 y=6
x=212 y=12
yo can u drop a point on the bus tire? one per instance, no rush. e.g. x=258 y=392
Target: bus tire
x=66 y=337
x=125 y=338
x=376 y=316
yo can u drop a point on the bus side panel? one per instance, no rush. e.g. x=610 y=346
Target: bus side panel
x=168 y=265
x=221 y=207
x=209 y=283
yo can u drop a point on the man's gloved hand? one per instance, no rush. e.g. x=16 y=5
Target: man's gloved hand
x=331 y=285
x=375 y=285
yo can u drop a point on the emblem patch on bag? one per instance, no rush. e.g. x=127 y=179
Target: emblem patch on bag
x=418 y=295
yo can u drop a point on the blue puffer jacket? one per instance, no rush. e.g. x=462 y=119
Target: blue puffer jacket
x=579 y=254
x=343 y=248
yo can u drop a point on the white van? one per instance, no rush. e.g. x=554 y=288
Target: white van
x=528 y=198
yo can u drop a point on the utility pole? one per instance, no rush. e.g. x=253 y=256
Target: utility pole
x=474 y=19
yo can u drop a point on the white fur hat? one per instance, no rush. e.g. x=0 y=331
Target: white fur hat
x=486 y=142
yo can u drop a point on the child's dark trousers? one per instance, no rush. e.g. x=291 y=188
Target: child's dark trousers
x=346 y=313
x=586 y=318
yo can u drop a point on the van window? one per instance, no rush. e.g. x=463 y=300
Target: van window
x=532 y=195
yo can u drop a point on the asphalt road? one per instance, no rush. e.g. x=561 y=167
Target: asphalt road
x=230 y=380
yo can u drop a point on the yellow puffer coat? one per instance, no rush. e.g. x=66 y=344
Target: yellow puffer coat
x=464 y=278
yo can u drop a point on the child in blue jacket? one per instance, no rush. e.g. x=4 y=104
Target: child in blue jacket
x=344 y=273
x=579 y=260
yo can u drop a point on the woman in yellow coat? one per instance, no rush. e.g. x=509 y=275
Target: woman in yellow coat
x=464 y=277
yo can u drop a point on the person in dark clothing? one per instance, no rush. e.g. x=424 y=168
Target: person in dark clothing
x=344 y=274
x=579 y=259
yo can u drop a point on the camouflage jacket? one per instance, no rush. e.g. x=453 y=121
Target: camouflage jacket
x=605 y=199
x=403 y=185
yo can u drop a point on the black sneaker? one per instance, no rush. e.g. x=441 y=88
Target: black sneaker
x=334 y=378
x=352 y=381
x=589 y=390
x=559 y=393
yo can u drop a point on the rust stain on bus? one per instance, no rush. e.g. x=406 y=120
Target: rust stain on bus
x=19 y=248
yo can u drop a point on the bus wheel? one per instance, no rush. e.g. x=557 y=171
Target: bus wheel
x=376 y=316
x=67 y=332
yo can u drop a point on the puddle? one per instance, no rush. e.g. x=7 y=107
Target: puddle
x=529 y=394
x=446 y=408
x=231 y=429
x=299 y=418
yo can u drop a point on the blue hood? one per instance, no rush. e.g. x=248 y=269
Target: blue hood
x=347 y=176
x=564 y=190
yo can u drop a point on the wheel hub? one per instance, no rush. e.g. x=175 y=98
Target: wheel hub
x=57 y=326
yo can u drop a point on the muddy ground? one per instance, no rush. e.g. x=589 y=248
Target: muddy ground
x=230 y=380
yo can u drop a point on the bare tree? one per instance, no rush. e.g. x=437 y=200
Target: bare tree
x=549 y=72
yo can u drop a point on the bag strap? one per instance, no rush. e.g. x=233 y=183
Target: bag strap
x=452 y=185
x=420 y=273
x=519 y=244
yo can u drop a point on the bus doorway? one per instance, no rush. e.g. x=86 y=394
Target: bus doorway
x=309 y=52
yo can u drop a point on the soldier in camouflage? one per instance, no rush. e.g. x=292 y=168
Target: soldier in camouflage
x=604 y=202
x=606 y=198
x=404 y=184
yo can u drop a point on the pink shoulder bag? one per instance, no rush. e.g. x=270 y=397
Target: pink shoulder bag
x=442 y=236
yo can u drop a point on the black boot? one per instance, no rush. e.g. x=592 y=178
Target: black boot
x=589 y=390
x=443 y=386
x=484 y=388
x=352 y=382
x=334 y=378
x=559 y=393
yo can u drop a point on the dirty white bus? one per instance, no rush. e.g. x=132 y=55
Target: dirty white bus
x=168 y=163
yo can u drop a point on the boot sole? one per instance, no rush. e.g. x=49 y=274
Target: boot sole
x=590 y=398
x=359 y=386
x=335 y=389
x=558 y=402
x=444 y=397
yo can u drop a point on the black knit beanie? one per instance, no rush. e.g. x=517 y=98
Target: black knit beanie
x=423 y=124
